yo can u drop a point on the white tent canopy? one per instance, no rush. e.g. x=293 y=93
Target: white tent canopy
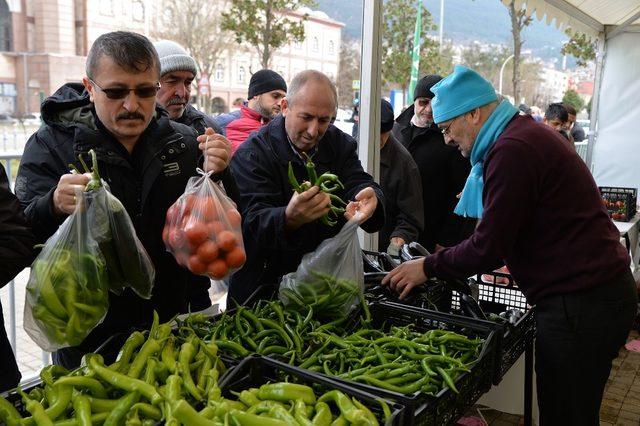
x=613 y=153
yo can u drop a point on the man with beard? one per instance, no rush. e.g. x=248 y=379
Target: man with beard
x=147 y=160
x=177 y=72
x=267 y=88
x=443 y=170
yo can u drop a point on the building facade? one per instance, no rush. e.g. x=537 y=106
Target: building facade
x=44 y=43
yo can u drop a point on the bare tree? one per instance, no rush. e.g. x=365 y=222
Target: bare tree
x=349 y=70
x=519 y=20
x=197 y=26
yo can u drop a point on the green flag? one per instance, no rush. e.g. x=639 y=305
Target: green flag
x=415 y=55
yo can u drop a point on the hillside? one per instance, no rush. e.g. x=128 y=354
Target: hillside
x=461 y=23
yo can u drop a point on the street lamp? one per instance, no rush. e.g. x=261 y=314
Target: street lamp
x=502 y=72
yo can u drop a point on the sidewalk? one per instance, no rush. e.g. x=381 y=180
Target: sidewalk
x=28 y=354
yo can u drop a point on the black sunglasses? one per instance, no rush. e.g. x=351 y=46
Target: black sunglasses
x=122 y=92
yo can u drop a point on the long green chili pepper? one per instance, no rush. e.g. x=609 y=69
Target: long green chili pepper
x=82 y=410
x=187 y=352
x=121 y=409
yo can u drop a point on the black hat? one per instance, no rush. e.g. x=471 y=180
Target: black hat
x=423 y=88
x=265 y=81
x=386 y=116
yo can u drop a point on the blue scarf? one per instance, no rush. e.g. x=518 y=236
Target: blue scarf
x=470 y=204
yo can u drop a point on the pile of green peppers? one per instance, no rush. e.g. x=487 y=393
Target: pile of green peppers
x=328 y=183
x=330 y=297
x=280 y=404
x=68 y=295
x=154 y=374
x=400 y=360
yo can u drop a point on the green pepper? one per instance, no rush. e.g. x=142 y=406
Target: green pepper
x=82 y=409
x=187 y=352
x=37 y=410
x=135 y=340
x=122 y=408
x=246 y=419
x=323 y=415
x=121 y=381
x=96 y=419
x=300 y=413
x=94 y=386
x=173 y=393
x=148 y=349
x=286 y=392
x=187 y=415
x=8 y=413
x=350 y=412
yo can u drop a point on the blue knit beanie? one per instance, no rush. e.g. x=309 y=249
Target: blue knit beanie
x=461 y=91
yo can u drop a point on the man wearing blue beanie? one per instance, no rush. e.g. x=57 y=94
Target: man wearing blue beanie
x=543 y=217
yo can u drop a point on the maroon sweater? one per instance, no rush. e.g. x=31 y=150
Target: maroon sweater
x=543 y=218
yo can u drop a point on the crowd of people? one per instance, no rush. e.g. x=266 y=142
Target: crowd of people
x=477 y=182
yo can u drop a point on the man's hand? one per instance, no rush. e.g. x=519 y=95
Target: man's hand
x=405 y=277
x=394 y=246
x=364 y=206
x=64 y=197
x=306 y=207
x=216 y=149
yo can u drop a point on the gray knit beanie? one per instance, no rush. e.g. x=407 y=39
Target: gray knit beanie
x=173 y=57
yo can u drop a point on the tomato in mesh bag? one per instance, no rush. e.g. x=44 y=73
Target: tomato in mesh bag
x=203 y=230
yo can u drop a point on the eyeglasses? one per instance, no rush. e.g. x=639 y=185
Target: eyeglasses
x=123 y=92
x=445 y=131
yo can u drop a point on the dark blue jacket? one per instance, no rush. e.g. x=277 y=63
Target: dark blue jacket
x=260 y=169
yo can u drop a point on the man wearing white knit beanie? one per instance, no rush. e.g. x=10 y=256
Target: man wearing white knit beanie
x=177 y=71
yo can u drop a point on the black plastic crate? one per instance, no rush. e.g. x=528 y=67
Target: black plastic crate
x=374 y=261
x=447 y=406
x=495 y=297
x=434 y=294
x=256 y=370
x=14 y=397
x=620 y=202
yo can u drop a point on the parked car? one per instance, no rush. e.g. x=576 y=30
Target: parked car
x=33 y=119
x=6 y=119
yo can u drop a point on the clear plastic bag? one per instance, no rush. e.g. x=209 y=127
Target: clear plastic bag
x=330 y=280
x=128 y=264
x=67 y=291
x=203 y=230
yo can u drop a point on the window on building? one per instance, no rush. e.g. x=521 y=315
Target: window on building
x=137 y=11
x=332 y=47
x=241 y=74
x=316 y=44
x=219 y=74
x=6 y=28
x=106 y=7
x=297 y=45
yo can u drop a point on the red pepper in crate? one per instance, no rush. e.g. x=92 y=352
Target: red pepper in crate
x=203 y=232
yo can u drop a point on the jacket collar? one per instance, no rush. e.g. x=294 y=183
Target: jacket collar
x=247 y=112
x=276 y=136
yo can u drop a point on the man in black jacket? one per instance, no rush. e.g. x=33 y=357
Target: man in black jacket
x=177 y=72
x=400 y=181
x=16 y=248
x=280 y=226
x=442 y=168
x=145 y=158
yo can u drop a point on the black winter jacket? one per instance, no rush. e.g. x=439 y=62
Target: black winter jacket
x=400 y=181
x=16 y=252
x=260 y=168
x=444 y=172
x=198 y=120
x=147 y=182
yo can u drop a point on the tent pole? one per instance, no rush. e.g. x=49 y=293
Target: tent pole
x=370 y=90
x=595 y=100
x=622 y=27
